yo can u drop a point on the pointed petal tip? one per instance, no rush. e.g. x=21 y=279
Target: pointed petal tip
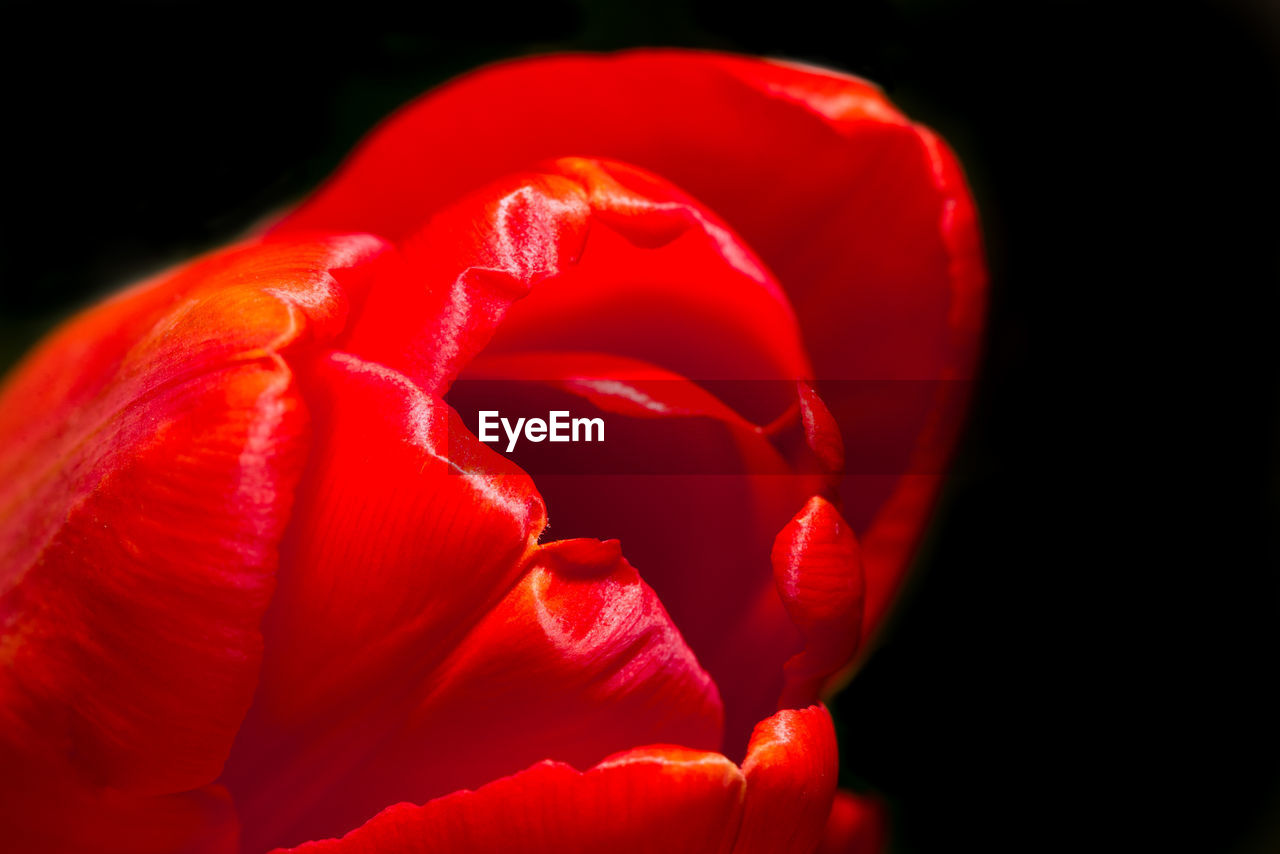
x=821 y=431
x=818 y=571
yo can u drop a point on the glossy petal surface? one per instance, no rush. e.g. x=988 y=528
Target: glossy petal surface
x=582 y=255
x=612 y=231
x=580 y=646
x=599 y=254
x=395 y=549
x=866 y=222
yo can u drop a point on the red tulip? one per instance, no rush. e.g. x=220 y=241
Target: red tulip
x=261 y=586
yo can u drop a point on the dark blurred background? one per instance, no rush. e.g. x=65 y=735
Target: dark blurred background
x=1088 y=655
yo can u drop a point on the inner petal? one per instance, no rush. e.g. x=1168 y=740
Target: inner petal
x=863 y=216
x=695 y=494
x=603 y=257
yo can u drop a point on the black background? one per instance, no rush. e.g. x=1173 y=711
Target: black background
x=1084 y=657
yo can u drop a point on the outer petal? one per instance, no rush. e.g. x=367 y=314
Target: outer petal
x=131 y=643
x=863 y=216
x=143 y=498
x=644 y=800
x=77 y=364
x=866 y=220
x=660 y=798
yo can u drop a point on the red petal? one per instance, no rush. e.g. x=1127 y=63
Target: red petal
x=687 y=530
x=659 y=278
x=311 y=280
x=463 y=271
x=512 y=268
x=863 y=216
x=396 y=547
x=668 y=799
x=132 y=639
x=656 y=276
x=791 y=769
x=819 y=576
x=144 y=494
x=857 y=825
x=821 y=431
x=866 y=219
x=660 y=798
x=712 y=124
x=577 y=662
x=587 y=653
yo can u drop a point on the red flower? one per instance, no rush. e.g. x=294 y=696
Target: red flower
x=260 y=584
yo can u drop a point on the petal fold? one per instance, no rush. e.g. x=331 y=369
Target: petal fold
x=586 y=255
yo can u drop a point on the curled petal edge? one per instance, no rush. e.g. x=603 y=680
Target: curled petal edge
x=648 y=798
